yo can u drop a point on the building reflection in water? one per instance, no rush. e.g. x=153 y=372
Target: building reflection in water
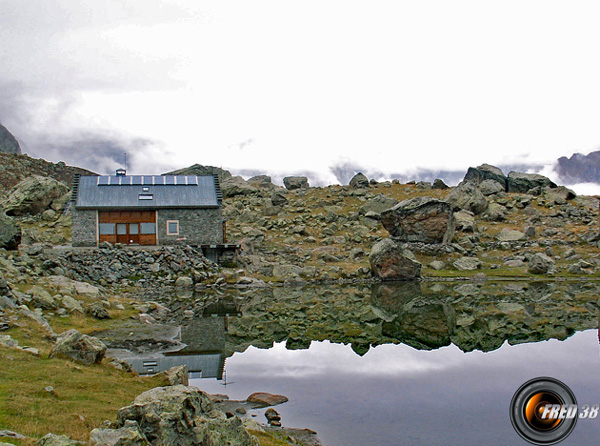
x=204 y=351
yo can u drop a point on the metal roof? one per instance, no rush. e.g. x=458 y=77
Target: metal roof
x=147 y=192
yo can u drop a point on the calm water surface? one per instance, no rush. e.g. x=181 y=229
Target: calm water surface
x=414 y=364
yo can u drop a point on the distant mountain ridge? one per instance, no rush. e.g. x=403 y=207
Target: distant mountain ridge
x=580 y=168
x=8 y=143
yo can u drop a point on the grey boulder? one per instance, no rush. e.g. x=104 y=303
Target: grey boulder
x=295 y=182
x=421 y=219
x=524 y=182
x=183 y=416
x=10 y=233
x=78 y=347
x=467 y=196
x=390 y=262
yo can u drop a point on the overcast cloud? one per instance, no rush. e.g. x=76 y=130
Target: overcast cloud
x=287 y=87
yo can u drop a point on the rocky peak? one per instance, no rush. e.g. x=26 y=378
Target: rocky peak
x=8 y=143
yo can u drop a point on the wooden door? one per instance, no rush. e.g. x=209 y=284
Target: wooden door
x=134 y=233
x=122 y=235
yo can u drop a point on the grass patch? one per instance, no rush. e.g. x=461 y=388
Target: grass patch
x=84 y=396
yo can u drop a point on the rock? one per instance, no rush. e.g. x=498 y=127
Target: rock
x=359 y=181
x=491 y=187
x=273 y=417
x=292 y=183
x=10 y=232
x=71 y=305
x=96 y=310
x=530 y=232
x=494 y=212
x=540 y=263
x=49 y=215
x=467 y=196
x=56 y=440
x=261 y=182
x=80 y=348
x=11 y=434
x=465 y=221
x=377 y=205
x=184 y=282
x=421 y=219
x=198 y=169
x=484 y=172
x=510 y=235
x=33 y=195
x=128 y=435
x=389 y=261
x=236 y=186
x=183 y=416
x=266 y=399
x=42 y=298
x=287 y=272
x=439 y=184
x=437 y=265
x=558 y=195
x=8 y=143
x=177 y=375
x=467 y=264
x=85 y=289
x=523 y=182
x=278 y=197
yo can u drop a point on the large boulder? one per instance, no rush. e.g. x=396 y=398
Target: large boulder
x=266 y=399
x=467 y=196
x=292 y=183
x=33 y=195
x=8 y=143
x=524 y=182
x=510 y=235
x=389 y=261
x=558 y=195
x=467 y=264
x=359 y=181
x=236 y=186
x=183 y=416
x=128 y=435
x=465 y=221
x=10 y=232
x=421 y=219
x=377 y=205
x=540 y=263
x=491 y=187
x=261 y=182
x=484 y=172
x=78 y=347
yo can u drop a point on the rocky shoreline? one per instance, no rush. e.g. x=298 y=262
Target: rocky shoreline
x=412 y=252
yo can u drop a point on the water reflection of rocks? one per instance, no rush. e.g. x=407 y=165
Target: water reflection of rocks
x=426 y=315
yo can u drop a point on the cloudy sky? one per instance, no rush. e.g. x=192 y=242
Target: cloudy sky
x=293 y=87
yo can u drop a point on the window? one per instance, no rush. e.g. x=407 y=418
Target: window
x=146 y=197
x=107 y=229
x=133 y=229
x=121 y=228
x=172 y=227
x=147 y=228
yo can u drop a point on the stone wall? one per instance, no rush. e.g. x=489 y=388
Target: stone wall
x=83 y=229
x=196 y=226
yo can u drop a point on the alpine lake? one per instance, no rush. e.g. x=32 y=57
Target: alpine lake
x=415 y=363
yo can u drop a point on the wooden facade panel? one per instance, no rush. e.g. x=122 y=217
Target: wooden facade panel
x=127 y=227
x=126 y=216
